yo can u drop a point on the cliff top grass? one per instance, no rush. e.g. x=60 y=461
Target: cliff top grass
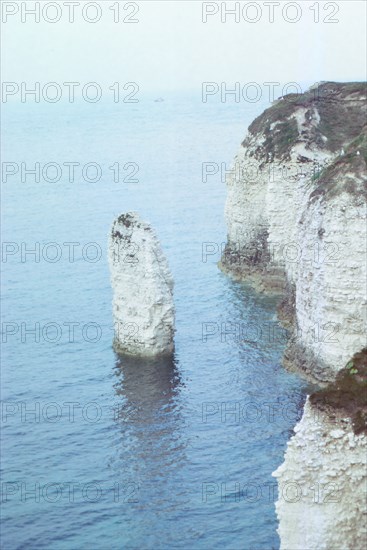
x=340 y=106
x=348 y=393
x=346 y=173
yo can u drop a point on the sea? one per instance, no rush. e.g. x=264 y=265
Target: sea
x=106 y=452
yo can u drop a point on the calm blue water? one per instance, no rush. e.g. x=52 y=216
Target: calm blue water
x=152 y=456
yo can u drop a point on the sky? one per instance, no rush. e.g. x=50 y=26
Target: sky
x=171 y=48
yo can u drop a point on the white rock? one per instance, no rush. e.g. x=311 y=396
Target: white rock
x=143 y=307
x=320 y=244
x=329 y=513
x=337 y=434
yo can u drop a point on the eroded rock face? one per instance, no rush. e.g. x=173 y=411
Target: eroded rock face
x=143 y=307
x=296 y=218
x=322 y=485
x=297 y=224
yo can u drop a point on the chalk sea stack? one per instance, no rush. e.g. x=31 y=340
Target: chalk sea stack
x=143 y=307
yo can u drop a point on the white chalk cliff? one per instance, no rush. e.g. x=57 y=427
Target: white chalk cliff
x=143 y=307
x=322 y=485
x=297 y=226
x=296 y=218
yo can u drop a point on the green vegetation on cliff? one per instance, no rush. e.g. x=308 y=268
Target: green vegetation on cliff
x=346 y=173
x=335 y=113
x=348 y=394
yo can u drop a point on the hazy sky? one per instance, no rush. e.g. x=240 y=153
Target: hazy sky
x=171 y=48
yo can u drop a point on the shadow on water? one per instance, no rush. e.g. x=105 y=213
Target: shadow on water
x=151 y=384
x=148 y=414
